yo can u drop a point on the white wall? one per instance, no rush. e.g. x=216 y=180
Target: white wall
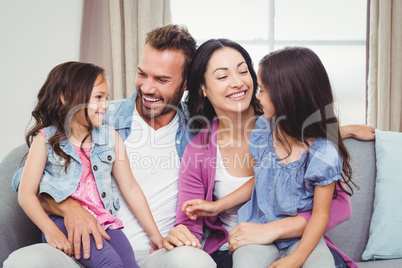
x=35 y=36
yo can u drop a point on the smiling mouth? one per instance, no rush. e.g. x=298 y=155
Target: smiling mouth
x=151 y=103
x=151 y=99
x=236 y=95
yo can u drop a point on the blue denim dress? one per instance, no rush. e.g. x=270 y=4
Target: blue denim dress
x=281 y=189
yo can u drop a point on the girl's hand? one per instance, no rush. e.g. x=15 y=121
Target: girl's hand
x=156 y=242
x=287 y=262
x=58 y=240
x=198 y=207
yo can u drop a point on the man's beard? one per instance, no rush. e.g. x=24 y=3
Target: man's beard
x=167 y=104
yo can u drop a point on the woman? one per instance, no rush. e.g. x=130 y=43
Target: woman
x=221 y=100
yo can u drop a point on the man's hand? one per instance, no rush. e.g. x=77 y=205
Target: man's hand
x=359 y=132
x=179 y=236
x=79 y=224
x=198 y=207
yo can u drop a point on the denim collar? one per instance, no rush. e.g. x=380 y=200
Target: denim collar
x=99 y=137
x=128 y=109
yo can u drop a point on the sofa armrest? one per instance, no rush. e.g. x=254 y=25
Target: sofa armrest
x=17 y=230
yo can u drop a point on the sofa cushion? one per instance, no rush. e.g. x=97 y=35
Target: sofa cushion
x=385 y=241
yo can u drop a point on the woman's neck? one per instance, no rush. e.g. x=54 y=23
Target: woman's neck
x=237 y=126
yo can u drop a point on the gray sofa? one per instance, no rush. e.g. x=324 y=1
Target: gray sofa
x=351 y=237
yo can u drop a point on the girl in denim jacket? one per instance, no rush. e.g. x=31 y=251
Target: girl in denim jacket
x=73 y=155
x=300 y=157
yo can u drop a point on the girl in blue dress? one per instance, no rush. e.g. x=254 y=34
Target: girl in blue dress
x=300 y=157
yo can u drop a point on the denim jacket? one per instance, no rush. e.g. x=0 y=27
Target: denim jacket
x=61 y=184
x=120 y=114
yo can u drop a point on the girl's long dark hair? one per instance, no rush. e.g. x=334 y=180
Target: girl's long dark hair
x=199 y=107
x=74 y=81
x=301 y=93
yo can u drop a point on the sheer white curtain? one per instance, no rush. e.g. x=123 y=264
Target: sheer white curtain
x=130 y=20
x=385 y=65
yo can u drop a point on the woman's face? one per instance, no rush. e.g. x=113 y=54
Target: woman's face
x=264 y=98
x=228 y=83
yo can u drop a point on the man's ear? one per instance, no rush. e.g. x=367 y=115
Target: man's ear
x=62 y=98
x=204 y=91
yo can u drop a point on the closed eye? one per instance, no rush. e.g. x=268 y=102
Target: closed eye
x=162 y=80
x=140 y=72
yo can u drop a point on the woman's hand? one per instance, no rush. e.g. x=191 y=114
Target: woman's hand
x=57 y=239
x=179 y=236
x=247 y=233
x=198 y=207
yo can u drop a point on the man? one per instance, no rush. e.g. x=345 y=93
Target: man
x=153 y=126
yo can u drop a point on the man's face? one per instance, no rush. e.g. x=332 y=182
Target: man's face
x=159 y=82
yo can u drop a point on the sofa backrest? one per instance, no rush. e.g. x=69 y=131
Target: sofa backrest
x=351 y=236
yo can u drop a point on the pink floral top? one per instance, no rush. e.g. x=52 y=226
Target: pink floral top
x=87 y=194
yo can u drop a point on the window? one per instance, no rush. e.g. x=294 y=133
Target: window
x=335 y=30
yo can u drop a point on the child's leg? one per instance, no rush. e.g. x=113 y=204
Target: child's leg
x=120 y=243
x=106 y=257
x=255 y=256
x=320 y=257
